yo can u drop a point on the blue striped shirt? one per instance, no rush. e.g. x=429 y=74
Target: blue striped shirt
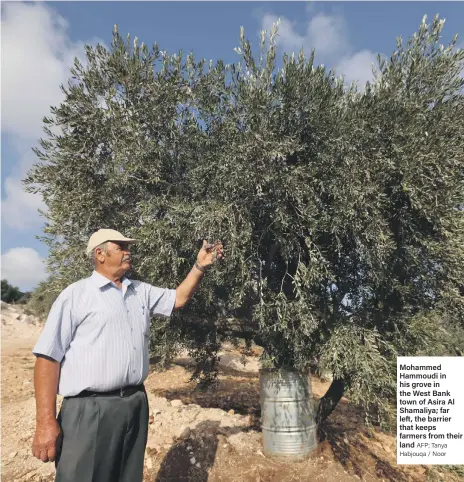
x=99 y=333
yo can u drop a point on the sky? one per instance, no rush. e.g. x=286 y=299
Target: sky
x=40 y=40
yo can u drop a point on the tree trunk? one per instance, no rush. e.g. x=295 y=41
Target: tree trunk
x=330 y=400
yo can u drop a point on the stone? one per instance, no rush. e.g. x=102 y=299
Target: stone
x=149 y=464
x=176 y=403
x=198 y=465
x=153 y=450
x=192 y=460
x=29 y=320
x=13 y=454
x=183 y=433
x=231 y=412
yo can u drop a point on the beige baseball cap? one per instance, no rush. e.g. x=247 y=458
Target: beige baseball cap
x=104 y=235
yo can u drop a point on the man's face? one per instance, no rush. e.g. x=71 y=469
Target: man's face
x=117 y=257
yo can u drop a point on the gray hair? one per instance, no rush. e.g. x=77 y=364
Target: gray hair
x=91 y=255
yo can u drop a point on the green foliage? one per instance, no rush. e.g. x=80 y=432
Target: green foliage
x=24 y=298
x=10 y=294
x=339 y=209
x=42 y=298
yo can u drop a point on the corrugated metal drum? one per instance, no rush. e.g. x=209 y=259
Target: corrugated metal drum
x=287 y=414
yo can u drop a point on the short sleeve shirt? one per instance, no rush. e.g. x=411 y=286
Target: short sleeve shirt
x=100 y=333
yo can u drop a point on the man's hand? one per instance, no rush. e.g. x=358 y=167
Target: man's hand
x=46 y=440
x=210 y=253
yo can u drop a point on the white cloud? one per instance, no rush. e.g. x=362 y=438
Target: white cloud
x=36 y=55
x=23 y=267
x=286 y=36
x=358 y=67
x=328 y=35
x=325 y=33
x=20 y=209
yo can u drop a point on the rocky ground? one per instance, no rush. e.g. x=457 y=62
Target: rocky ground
x=197 y=436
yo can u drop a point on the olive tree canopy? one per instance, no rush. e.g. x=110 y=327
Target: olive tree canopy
x=340 y=209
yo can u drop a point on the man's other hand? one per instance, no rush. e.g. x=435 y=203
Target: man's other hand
x=46 y=439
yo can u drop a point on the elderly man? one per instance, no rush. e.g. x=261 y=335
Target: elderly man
x=94 y=351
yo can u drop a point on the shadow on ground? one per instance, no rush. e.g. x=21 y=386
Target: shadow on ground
x=235 y=391
x=192 y=459
x=353 y=447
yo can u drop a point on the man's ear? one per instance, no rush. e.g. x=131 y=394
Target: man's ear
x=99 y=255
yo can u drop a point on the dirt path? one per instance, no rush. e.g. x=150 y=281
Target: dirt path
x=199 y=437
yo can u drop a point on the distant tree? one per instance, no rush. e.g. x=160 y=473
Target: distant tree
x=24 y=298
x=339 y=209
x=10 y=294
x=41 y=299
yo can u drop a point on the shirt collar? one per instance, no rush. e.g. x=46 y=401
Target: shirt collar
x=102 y=281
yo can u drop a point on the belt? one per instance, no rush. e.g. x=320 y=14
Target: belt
x=120 y=392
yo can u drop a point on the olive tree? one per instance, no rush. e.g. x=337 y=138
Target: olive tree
x=340 y=210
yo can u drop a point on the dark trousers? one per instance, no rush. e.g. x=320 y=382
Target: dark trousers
x=104 y=438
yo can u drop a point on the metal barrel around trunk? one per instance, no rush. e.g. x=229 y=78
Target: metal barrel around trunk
x=287 y=415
